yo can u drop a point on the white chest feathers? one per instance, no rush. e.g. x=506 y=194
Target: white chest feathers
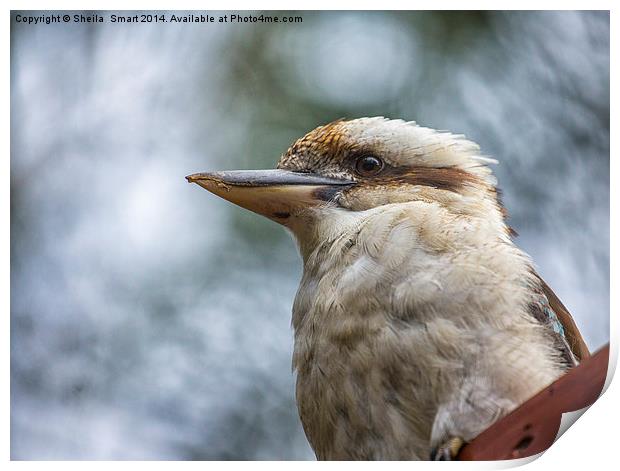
x=404 y=313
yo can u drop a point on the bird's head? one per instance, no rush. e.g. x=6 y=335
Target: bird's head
x=350 y=167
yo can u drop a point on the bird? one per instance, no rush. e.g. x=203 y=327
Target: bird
x=418 y=322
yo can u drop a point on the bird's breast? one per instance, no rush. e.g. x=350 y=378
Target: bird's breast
x=393 y=314
x=360 y=390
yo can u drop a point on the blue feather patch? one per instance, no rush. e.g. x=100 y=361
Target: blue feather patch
x=557 y=326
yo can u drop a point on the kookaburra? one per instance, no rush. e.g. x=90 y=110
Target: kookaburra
x=418 y=322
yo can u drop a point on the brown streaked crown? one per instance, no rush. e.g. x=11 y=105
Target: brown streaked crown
x=323 y=150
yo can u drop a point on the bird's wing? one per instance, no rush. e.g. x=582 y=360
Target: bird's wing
x=550 y=310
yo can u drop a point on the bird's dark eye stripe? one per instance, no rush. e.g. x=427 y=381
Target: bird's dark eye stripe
x=368 y=165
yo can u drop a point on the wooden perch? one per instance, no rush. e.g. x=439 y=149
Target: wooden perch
x=533 y=427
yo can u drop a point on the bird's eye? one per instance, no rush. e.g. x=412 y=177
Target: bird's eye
x=368 y=166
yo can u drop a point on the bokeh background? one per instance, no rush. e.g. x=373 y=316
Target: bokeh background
x=150 y=319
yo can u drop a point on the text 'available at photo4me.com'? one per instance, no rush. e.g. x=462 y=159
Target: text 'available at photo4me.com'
x=154 y=17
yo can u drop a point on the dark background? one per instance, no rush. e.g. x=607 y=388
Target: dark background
x=150 y=319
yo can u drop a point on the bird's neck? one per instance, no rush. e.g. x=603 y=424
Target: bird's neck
x=325 y=236
x=413 y=258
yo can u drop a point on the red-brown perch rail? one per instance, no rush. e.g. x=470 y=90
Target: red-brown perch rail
x=532 y=427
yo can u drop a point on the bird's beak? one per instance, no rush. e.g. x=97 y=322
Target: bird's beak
x=276 y=194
